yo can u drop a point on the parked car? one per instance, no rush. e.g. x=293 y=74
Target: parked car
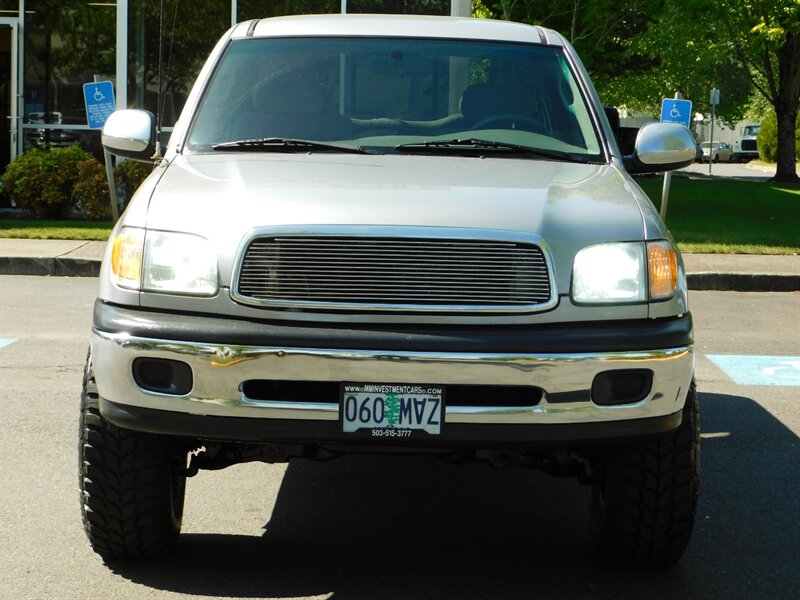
x=722 y=152
x=393 y=235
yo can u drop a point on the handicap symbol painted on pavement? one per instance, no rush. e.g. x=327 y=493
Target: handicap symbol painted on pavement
x=759 y=370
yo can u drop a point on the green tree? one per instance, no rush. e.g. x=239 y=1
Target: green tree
x=600 y=30
x=764 y=37
x=638 y=51
x=681 y=53
x=768 y=138
x=745 y=48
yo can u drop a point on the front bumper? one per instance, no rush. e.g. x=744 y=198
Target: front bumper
x=547 y=358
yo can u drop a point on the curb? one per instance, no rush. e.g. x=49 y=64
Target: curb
x=52 y=267
x=729 y=282
x=743 y=282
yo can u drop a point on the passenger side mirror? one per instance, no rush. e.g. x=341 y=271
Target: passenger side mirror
x=131 y=134
x=661 y=147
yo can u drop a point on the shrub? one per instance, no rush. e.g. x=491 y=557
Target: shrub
x=91 y=190
x=768 y=138
x=42 y=182
x=129 y=175
x=51 y=183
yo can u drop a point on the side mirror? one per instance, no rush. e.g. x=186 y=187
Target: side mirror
x=661 y=147
x=131 y=134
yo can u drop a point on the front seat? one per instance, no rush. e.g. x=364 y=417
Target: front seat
x=293 y=106
x=490 y=103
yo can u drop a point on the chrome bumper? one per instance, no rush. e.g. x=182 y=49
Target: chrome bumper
x=219 y=371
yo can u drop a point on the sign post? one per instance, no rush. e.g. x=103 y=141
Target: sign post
x=714 y=101
x=98 y=98
x=673 y=110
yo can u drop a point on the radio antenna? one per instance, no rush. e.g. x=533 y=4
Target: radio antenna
x=159 y=100
x=161 y=75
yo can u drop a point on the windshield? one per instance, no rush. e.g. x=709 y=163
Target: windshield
x=384 y=93
x=751 y=130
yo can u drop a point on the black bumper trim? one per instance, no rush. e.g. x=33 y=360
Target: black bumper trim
x=328 y=433
x=573 y=337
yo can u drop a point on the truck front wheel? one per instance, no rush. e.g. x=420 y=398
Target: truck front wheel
x=643 y=506
x=132 y=484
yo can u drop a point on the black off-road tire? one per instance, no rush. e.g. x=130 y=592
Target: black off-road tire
x=643 y=507
x=131 y=483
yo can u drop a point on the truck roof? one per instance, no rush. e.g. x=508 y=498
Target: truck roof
x=397 y=26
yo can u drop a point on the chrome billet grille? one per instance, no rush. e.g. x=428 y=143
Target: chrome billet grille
x=394 y=273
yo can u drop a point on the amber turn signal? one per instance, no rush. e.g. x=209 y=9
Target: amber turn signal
x=662 y=263
x=126 y=257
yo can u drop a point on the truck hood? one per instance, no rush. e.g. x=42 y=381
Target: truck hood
x=223 y=196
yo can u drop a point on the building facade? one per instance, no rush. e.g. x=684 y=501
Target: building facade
x=50 y=48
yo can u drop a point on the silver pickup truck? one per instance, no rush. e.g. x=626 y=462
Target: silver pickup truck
x=392 y=235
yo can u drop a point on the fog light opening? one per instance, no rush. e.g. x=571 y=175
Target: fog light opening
x=612 y=388
x=163 y=376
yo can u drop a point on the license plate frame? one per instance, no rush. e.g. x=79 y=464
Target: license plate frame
x=391 y=410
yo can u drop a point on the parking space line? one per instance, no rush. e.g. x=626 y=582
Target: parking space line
x=759 y=370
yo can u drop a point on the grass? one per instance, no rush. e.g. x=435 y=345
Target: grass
x=55 y=230
x=729 y=216
x=720 y=216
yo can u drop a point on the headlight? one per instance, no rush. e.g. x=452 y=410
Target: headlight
x=179 y=263
x=625 y=272
x=158 y=261
x=607 y=273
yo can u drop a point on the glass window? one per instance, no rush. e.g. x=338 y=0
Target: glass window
x=411 y=7
x=260 y=9
x=9 y=8
x=191 y=29
x=67 y=44
x=5 y=96
x=381 y=92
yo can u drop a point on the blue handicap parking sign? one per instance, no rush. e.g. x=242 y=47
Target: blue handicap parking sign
x=99 y=100
x=676 y=111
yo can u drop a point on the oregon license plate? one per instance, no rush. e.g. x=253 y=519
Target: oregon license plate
x=392 y=410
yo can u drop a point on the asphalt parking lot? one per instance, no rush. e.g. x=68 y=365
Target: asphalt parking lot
x=377 y=527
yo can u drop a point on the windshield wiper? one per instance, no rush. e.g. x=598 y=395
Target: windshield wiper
x=277 y=144
x=458 y=146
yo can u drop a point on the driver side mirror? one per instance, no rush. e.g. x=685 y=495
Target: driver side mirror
x=131 y=134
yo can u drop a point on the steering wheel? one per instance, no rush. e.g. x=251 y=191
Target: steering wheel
x=510 y=118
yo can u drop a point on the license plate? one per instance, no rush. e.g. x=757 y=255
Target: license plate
x=392 y=410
